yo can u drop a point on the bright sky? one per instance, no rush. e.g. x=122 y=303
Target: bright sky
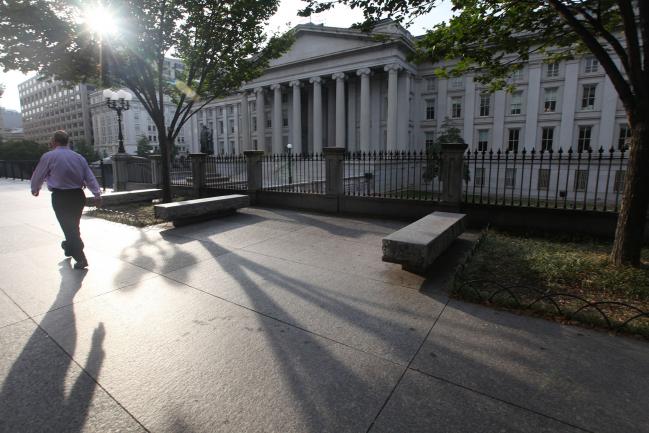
x=285 y=18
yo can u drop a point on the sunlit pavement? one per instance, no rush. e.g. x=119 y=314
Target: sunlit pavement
x=279 y=321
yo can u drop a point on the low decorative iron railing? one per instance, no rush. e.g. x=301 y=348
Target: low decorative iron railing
x=17 y=169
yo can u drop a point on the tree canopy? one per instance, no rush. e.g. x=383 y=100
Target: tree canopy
x=493 y=38
x=221 y=45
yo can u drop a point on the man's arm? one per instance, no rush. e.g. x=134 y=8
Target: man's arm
x=91 y=182
x=41 y=172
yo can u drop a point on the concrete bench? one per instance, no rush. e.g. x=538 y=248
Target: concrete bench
x=417 y=245
x=123 y=197
x=189 y=211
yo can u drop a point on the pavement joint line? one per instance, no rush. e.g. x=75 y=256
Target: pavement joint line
x=509 y=403
x=396 y=385
x=292 y=325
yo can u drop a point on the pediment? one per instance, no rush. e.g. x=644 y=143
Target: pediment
x=310 y=45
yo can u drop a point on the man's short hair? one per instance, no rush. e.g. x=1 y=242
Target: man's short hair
x=61 y=138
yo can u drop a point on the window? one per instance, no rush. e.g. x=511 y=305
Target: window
x=583 y=142
x=430 y=109
x=254 y=124
x=543 y=182
x=588 y=97
x=220 y=127
x=581 y=180
x=513 y=139
x=284 y=98
x=547 y=138
x=430 y=139
x=285 y=118
x=550 y=99
x=232 y=126
x=510 y=177
x=618 y=186
x=430 y=83
x=624 y=137
x=517 y=75
x=516 y=104
x=457 y=83
x=456 y=107
x=591 y=65
x=483 y=140
x=269 y=122
x=478 y=179
x=485 y=102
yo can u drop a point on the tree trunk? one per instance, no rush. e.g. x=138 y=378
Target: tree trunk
x=629 y=233
x=165 y=166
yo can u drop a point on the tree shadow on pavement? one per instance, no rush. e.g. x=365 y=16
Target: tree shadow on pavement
x=39 y=392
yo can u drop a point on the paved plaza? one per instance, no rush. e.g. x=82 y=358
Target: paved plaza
x=280 y=321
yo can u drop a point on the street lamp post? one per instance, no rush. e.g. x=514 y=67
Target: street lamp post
x=290 y=171
x=118 y=101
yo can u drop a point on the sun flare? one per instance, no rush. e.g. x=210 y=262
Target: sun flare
x=98 y=19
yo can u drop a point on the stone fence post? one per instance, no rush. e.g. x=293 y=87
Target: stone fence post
x=452 y=172
x=120 y=171
x=197 y=161
x=156 y=170
x=334 y=168
x=254 y=160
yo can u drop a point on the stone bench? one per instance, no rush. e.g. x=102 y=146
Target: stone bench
x=417 y=245
x=123 y=197
x=189 y=211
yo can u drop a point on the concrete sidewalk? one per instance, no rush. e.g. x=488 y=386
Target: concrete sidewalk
x=279 y=321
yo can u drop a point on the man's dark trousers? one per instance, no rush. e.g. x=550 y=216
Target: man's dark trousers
x=68 y=205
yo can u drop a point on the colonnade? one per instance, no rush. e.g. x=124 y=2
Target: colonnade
x=317 y=129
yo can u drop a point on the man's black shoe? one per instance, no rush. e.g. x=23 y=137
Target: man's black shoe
x=81 y=265
x=66 y=252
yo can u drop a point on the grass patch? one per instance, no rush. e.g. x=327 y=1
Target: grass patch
x=557 y=277
x=133 y=214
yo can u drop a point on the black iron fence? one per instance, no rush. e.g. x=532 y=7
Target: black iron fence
x=17 y=169
x=180 y=172
x=299 y=173
x=582 y=180
x=403 y=175
x=226 y=172
x=139 y=170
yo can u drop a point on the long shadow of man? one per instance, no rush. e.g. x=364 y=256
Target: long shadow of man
x=38 y=394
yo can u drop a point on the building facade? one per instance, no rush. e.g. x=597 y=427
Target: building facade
x=340 y=87
x=48 y=104
x=136 y=124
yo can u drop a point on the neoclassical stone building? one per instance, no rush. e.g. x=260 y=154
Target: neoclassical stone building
x=339 y=87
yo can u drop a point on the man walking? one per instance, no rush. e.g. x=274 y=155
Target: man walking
x=67 y=173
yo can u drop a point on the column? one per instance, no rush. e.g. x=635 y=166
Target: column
x=226 y=130
x=393 y=76
x=340 y=109
x=317 y=114
x=277 y=118
x=532 y=106
x=215 y=131
x=365 y=109
x=261 y=118
x=569 y=105
x=296 y=136
x=245 y=123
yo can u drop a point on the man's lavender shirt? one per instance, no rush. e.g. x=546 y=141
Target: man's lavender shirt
x=64 y=169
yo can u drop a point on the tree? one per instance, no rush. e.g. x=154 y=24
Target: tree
x=86 y=150
x=143 y=147
x=494 y=37
x=221 y=44
x=447 y=134
x=21 y=150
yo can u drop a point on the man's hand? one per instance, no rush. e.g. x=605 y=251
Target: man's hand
x=35 y=193
x=98 y=201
